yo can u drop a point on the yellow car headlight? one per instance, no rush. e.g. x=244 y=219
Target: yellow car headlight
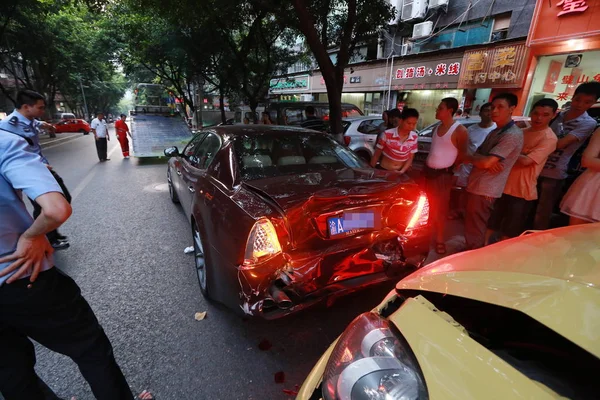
x=372 y=361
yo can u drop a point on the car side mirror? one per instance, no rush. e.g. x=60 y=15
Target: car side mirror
x=172 y=152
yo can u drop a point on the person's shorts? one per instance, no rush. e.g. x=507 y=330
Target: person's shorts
x=510 y=215
x=438 y=185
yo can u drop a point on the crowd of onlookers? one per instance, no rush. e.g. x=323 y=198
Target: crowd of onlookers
x=509 y=179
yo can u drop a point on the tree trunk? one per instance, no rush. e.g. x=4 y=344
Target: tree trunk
x=222 y=105
x=253 y=106
x=334 y=94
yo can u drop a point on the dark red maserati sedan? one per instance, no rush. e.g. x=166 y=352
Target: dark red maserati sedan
x=284 y=217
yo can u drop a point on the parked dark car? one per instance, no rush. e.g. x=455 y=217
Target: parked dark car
x=283 y=217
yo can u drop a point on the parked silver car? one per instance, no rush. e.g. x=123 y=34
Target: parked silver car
x=360 y=134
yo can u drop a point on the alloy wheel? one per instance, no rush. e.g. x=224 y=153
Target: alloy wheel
x=199 y=260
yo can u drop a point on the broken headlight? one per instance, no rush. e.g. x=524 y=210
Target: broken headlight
x=372 y=361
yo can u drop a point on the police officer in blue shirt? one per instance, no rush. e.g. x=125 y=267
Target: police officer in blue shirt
x=37 y=300
x=20 y=125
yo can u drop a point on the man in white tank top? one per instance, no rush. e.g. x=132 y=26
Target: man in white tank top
x=449 y=143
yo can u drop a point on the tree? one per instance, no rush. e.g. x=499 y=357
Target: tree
x=49 y=46
x=338 y=25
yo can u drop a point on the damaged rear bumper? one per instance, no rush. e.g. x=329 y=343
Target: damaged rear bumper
x=293 y=281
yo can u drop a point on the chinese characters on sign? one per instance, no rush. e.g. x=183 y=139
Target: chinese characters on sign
x=503 y=66
x=421 y=71
x=571 y=6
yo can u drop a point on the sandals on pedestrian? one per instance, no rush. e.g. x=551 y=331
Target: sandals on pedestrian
x=440 y=248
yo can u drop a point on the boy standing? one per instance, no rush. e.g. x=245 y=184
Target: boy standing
x=511 y=210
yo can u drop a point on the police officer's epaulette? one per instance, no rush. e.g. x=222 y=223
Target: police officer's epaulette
x=14 y=121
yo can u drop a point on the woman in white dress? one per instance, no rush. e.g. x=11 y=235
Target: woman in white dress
x=582 y=201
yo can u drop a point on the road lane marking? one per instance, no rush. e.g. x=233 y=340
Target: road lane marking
x=88 y=178
x=65 y=137
x=112 y=151
x=60 y=144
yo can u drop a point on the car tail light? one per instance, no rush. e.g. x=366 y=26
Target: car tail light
x=420 y=215
x=262 y=244
x=347 y=140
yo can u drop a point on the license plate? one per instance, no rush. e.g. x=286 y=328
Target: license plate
x=350 y=221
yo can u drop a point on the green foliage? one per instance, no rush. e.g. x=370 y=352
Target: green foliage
x=51 y=45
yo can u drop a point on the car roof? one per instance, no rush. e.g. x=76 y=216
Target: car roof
x=256 y=129
x=362 y=118
x=553 y=276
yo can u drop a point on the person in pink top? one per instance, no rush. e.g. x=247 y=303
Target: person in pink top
x=512 y=209
x=449 y=144
x=398 y=145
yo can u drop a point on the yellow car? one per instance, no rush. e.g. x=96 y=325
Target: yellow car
x=516 y=320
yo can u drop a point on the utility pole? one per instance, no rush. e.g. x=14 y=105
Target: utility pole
x=87 y=113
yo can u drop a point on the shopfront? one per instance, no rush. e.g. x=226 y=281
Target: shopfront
x=422 y=83
x=565 y=39
x=493 y=69
x=290 y=88
x=364 y=86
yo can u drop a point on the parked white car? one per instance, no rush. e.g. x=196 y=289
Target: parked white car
x=360 y=134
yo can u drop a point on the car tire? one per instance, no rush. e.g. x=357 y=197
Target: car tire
x=84 y=132
x=364 y=155
x=202 y=269
x=172 y=194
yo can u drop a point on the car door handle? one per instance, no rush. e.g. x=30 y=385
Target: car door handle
x=191 y=189
x=179 y=172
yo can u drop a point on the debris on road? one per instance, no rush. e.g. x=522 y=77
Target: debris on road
x=279 y=377
x=199 y=316
x=189 y=250
x=292 y=392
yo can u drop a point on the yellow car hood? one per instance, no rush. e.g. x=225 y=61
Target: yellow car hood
x=552 y=276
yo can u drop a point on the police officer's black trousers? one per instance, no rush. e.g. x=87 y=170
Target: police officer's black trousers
x=37 y=210
x=53 y=313
x=101 y=145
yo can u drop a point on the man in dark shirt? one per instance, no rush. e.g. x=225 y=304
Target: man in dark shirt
x=312 y=122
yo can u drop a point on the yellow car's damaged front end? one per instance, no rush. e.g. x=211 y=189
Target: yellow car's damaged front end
x=517 y=320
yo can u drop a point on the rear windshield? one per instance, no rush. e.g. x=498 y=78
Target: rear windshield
x=267 y=155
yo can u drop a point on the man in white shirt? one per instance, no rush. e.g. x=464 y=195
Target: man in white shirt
x=100 y=131
x=477 y=134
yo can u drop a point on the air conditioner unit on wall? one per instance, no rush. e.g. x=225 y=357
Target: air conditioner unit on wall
x=423 y=29
x=437 y=3
x=413 y=9
x=404 y=50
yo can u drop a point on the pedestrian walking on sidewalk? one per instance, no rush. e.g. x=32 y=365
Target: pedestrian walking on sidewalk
x=122 y=132
x=449 y=144
x=37 y=301
x=582 y=201
x=492 y=163
x=100 y=131
x=23 y=122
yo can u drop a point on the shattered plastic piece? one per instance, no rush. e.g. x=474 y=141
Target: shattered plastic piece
x=280 y=377
x=189 y=250
x=265 y=345
x=199 y=316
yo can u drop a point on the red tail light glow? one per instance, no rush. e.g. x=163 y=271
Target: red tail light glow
x=262 y=244
x=347 y=140
x=420 y=215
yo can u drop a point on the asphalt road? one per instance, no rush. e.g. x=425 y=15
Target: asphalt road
x=127 y=241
